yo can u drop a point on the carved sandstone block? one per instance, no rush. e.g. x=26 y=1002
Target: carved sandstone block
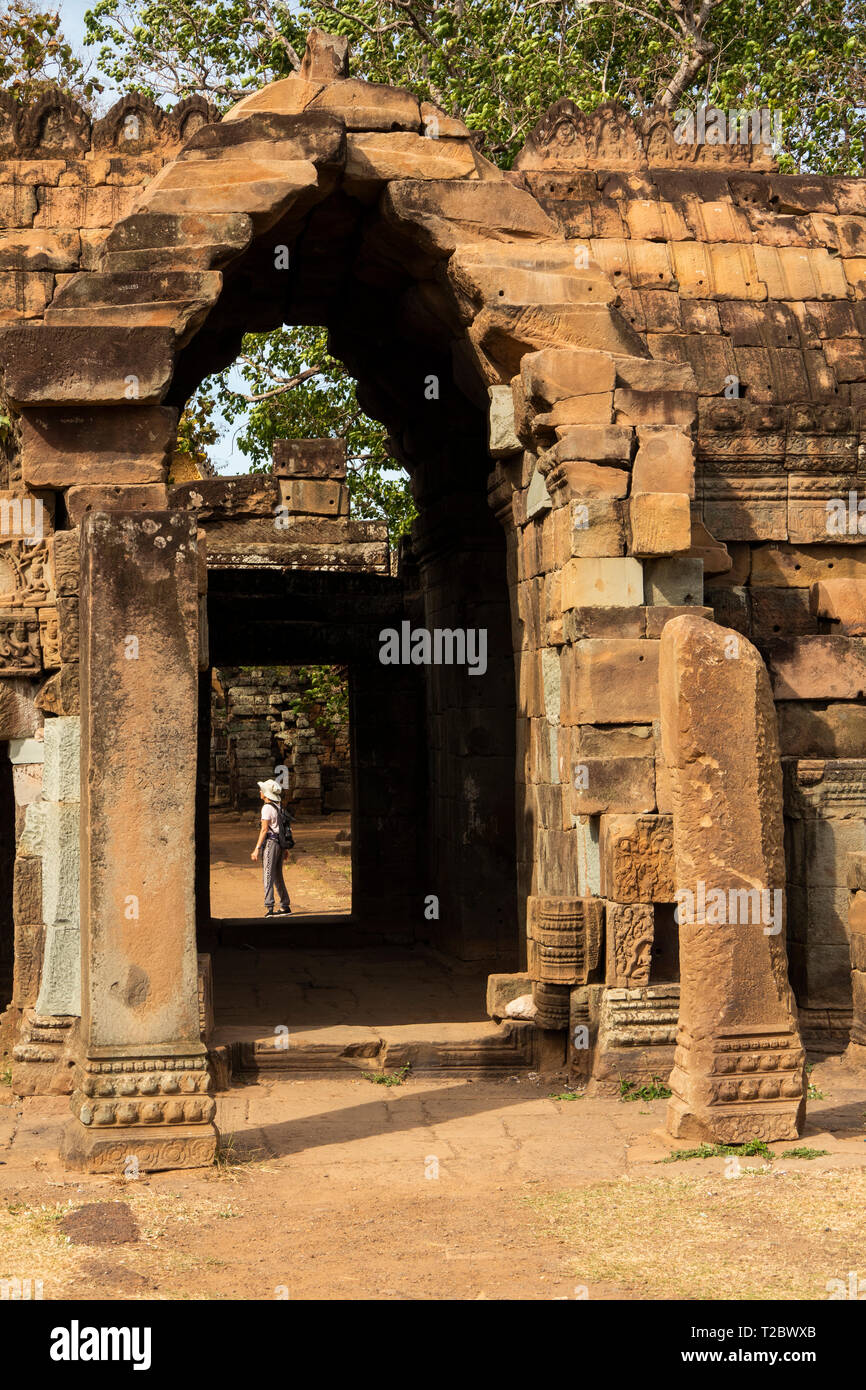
x=637 y=858
x=629 y=932
x=565 y=937
x=20 y=653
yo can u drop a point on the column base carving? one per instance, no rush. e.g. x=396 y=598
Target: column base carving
x=153 y=1108
x=156 y=1147
x=738 y=1085
x=44 y=1055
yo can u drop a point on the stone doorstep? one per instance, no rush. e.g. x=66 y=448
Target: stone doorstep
x=443 y=1049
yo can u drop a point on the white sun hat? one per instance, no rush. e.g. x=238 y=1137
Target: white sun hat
x=271 y=790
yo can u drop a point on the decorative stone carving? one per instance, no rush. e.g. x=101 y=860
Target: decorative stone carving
x=608 y=138
x=637 y=858
x=49 y=634
x=19 y=644
x=143 y=1091
x=190 y=115
x=553 y=1002
x=56 y=125
x=133 y=124
x=569 y=138
x=565 y=936
x=629 y=934
x=637 y=1031
x=25 y=575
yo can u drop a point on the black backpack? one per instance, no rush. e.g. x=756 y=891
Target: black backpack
x=285 y=838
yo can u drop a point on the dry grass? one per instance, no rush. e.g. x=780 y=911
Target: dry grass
x=774 y=1235
x=32 y=1246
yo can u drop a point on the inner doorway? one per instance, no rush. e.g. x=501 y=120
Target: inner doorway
x=287 y=725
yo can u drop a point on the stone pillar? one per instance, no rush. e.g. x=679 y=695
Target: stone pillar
x=739 y=1069
x=142 y=1081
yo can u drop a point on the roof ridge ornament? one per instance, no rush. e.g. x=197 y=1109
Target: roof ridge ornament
x=568 y=139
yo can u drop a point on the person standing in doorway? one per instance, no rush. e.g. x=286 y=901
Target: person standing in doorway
x=274 y=821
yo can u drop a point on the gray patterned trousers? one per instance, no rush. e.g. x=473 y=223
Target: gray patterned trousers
x=272 y=873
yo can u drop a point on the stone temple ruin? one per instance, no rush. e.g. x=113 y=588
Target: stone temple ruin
x=628 y=379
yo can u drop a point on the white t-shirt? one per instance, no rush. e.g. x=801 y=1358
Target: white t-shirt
x=269 y=815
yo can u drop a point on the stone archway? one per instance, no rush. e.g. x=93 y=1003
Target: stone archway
x=496 y=355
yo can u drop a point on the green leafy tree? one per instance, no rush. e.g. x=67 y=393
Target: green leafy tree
x=290 y=387
x=322 y=696
x=35 y=55
x=498 y=65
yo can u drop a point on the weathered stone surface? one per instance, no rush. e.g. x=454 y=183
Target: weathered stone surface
x=61 y=777
x=660 y=523
x=605 y=784
x=606 y=583
x=65 y=448
x=286 y=98
x=664 y=461
x=19 y=717
x=675 y=581
x=502 y=990
x=613 y=681
x=263 y=189
x=378 y=157
x=739 y=1070
x=85 y=366
x=175 y=299
x=598 y=527
x=825 y=730
x=27 y=890
x=501 y=439
x=443 y=213
x=60 y=694
x=369 y=106
x=819 y=668
x=841 y=601
x=153 y=240
x=40 y=250
x=139 y=649
x=309 y=458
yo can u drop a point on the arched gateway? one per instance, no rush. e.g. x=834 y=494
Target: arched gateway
x=526 y=360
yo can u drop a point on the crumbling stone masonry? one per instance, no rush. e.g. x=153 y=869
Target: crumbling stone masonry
x=628 y=379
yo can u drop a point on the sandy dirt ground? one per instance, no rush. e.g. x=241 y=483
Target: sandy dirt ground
x=318 y=877
x=442 y=1189
x=343 y=1187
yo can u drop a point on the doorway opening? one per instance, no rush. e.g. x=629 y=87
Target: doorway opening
x=288 y=725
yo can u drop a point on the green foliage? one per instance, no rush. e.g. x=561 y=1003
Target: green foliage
x=750 y=1149
x=566 y=1095
x=177 y=48
x=656 y=1090
x=804 y=1152
x=35 y=55
x=499 y=65
x=387 y=1078
x=292 y=388
x=323 y=697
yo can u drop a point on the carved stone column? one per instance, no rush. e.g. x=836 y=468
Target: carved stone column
x=739 y=1068
x=142 y=1082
